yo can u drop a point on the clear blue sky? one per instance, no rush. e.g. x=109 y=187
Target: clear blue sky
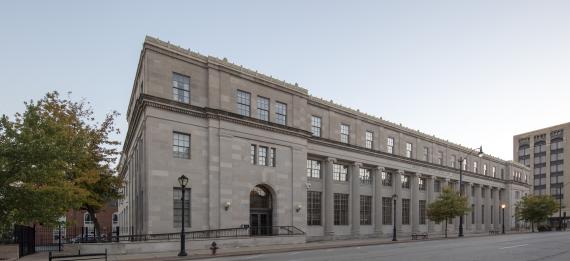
x=473 y=72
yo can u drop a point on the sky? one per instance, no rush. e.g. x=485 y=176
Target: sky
x=472 y=72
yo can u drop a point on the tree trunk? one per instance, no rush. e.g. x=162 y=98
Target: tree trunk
x=446 y=228
x=532 y=226
x=96 y=224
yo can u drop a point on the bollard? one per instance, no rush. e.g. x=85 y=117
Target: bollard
x=214 y=247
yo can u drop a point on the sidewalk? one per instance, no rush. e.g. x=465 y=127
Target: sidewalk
x=198 y=254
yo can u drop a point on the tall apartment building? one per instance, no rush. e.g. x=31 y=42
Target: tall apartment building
x=263 y=152
x=543 y=152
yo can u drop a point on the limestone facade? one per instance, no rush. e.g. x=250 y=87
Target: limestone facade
x=223 y=176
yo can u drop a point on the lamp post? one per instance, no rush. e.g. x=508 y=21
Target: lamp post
x=183 y=181
x=394 y=238
x=503 y=206
x=560 y=205
x=461 y=161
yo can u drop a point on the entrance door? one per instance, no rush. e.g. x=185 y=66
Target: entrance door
x=260 y=218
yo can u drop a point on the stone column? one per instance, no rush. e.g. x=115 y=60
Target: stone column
x=414 y=203
x=467 y=226
x=488 y=205
x=496 y=207
x=355 y=184
x=430 y=198
x=398 y=191
x=456 y=189
x=378 y=200
x=478 y=201
x=329 y=198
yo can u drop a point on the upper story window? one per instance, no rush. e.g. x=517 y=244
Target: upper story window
x=263 y=108
x=314 y=169
x=316 y=126
x=426 y=153
x=281 y=113
x=243 y=103
x=386 y=178
x=262 y=156
x=502 y=174
x=494 y=172
x=475 y=166
x=181 y=145
x=87 y=220
x=253 y=154
x=180 y=88
x=272 y=155
x=440 y=158
x=344 y=133
x=453 y=160
x=340 y=172
x=405 y=181
x=437 y=185
x=422 y=184
x=390 y=145
x=485 y=169
x=408 y=150
x=369 y=139
x=464 y=167
x=365 y=177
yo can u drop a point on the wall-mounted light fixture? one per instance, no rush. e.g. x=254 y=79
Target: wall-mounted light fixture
x=298 y=208
x=227 y=205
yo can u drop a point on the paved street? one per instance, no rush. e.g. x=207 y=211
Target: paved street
x=532 y=247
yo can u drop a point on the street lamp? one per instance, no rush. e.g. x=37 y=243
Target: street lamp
x=183 y=181
x=503 y=206
x=394 y=197
x=461 y=161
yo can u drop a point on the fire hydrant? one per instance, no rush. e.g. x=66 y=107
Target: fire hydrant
x=214 y=247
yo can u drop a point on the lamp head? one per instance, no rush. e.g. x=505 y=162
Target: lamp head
x=480 y=154
x=503 y=206
x=395 y=196
x=183 y=181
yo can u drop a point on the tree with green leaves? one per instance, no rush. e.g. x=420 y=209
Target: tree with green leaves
x=55 y=157
x=448 y=205
x=536 y=208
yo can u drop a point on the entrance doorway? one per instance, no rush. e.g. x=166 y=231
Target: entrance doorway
x=260 y=211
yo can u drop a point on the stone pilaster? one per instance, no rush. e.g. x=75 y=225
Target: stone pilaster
x=497 y=207
x=398 y=192
x=378 y=200
x=478 y=201
x=488 y=204
x=355 y=191
x=414 y=203
x=329 y=198
x=467 y=225
x=430 y=198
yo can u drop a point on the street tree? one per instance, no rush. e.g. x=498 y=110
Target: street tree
x=55 y=157
x=448 y=205
x=536 y=208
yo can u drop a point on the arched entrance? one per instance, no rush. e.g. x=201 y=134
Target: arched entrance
x=260 y=210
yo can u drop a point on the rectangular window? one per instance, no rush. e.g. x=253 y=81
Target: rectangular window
x=177 y=207
x=422 y=184
x=181 y=88
x=453 y=160
x=243 y=103
x=365 y=177
x=494 y=172
x=436 y=186
x=408 y=150
x=272 y=156
x=491 y=208
x=440 y=158
x=485 y=169
x=405 y=181
x=262 y=156
x=390 y=145
x=281 y=113
x=483 y=214
x=263 y=108
x=316 y=126
x=344 y=133
x=475 y=166
x=405 y=211
x=181 y=145
x=313 y=208
x=426 y=153
x=386 y=211
x=340 y=209
x=423 y=212
x=386 y=179
x=340 y=172
x=472 y=213
x=365 y=210
x=369 y=139
x=253 y=154
x=314 y=169
x=464 y=164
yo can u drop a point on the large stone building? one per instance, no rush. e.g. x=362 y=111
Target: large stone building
x=543 y=152
x=263 y=152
